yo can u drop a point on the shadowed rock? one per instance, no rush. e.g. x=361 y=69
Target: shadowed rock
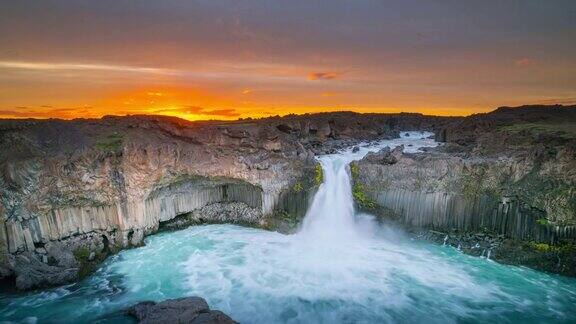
x=192 y=310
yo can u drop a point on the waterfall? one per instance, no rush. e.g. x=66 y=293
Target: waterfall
x=331 y=217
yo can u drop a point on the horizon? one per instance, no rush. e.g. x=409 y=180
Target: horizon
x=224 y=60
x=240 y=119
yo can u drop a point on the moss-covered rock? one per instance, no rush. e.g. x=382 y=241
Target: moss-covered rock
x=89 y=260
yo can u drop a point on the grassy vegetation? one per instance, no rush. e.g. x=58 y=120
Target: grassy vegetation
x=111 y=143
x=565 y=130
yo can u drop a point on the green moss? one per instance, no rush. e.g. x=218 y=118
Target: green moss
x=354 y=171
x=111 y=143
x=542 y=221
x=361 y=198
x=318 y=174
x=542 y=247
x=358 y=190
x=297 y=187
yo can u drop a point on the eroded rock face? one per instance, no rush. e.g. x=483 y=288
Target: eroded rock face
x=193 y=310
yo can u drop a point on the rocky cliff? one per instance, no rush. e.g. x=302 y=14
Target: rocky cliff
x=508 y=191
x=73 y=192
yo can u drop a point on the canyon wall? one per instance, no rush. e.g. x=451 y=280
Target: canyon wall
x=74 y=192
x=505 y=187
x=440 y=191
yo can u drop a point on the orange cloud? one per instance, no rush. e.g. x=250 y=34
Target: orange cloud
x=43 y=112
x=322 y=76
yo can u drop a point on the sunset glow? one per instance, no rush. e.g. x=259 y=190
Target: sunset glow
x=202 y=60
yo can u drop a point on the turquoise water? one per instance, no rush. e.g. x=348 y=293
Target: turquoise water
x=265 y=277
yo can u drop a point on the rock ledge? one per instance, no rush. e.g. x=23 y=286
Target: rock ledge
x=192 y=310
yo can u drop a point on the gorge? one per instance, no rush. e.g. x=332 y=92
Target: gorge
x=76 y=192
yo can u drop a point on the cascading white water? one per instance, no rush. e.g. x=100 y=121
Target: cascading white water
x=331 y=216
x=339 y=268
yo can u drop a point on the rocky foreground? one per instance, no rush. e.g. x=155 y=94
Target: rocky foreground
x=74 y=192
x=190 y=310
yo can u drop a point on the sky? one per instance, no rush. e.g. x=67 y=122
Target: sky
x=229 y=59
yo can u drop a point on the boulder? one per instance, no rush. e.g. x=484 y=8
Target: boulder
x=193 y=310
x=385 y=156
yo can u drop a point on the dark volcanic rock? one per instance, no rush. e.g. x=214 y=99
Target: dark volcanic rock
x=385 y=156
x=182 y=310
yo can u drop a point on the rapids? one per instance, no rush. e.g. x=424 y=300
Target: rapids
x=341 y=267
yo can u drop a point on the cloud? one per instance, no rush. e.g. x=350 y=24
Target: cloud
x=17 y=114
x=195 y=110
x=322 y=76
x=44 y=112
x=523 y=62
x=559 y=101
x=235 y=71
x=81 y=66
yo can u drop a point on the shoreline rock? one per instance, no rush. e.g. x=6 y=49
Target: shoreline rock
x=192 y=310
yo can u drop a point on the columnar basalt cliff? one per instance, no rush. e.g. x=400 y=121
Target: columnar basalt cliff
x=508 y=191
x=73 y=192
